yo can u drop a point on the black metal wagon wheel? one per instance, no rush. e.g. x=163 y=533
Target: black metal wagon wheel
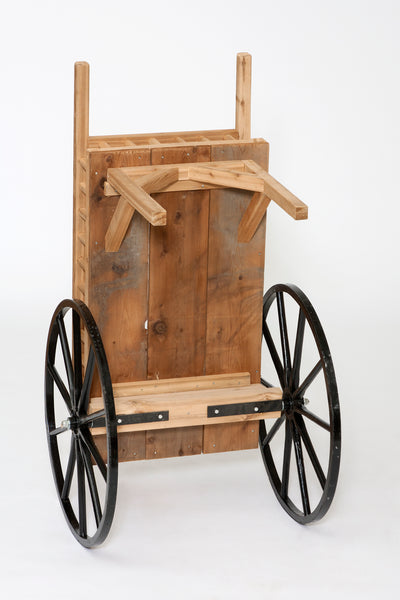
x=301 y=449
x=86 y=479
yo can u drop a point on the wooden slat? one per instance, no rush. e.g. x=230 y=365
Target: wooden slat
x=181 y=384
x=243 y=95
x=118 y=284
x=189 y=408
x=223 y=177
x=235 y=288
x=131 y=446
x=178 y=287
x=166 y=443
x=232 y=436
x=279 y=194
x=137 y=197
x=166 y=136
x=180 y=154
x=253 y=216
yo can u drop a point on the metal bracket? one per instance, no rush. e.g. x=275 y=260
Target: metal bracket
x=133 y=419
x=246 y=408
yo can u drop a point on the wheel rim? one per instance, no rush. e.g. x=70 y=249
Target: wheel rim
x=86 y=482
x=308 y=437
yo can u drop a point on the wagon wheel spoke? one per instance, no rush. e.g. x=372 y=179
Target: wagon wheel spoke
x=286 y=459
x=266 y=383
x=94 y=494
x=299 y=393
x=58 y=430
x=284 y=337
x=77 y=345
x=87 y=383
x=70 y=471
x=310 y=449
x=274 y=429
x=314 y=418
x=298 y=349
x=60 y=385
x=66 y=352
x=301 y=470
x=91 y=446
x=92 y=417
x=274 y=354
x=81 y=490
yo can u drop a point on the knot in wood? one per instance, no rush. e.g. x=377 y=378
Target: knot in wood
x=160 y=328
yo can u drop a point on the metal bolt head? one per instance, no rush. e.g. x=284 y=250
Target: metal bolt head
x=306 y=401
x=216 y=411
x=256 y=409
x=66 y=423
x=160 y=417
x=119 y=420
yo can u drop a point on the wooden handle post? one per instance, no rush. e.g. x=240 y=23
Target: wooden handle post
x=243 y=95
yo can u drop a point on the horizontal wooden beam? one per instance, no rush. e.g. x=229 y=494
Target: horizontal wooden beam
x=227 y=178
x=189 y=408
x=181 y=384
x=252 y=217
x=278 y=193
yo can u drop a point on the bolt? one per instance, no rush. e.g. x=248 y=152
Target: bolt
x=252 y=431
x=162 y=156
x=213 y=445
x=256 y=409
x=187 y=154
x=160 y=416
x=119 y=420
x=155 y=451
x=216 y=411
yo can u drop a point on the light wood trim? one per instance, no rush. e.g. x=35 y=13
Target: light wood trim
x=165 y=137
x=152 y=182
x=81 y=110
x=190 y=408
x=243 y=95
x=181 y=384
x=143 y=145
x=109 y=190
x=252 y=217
x=136 y=172
x=118 y=225
x=243 y=181
x=279 y=194
x=140 y=200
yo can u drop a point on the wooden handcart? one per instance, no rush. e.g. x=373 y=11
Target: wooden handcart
x=160 y=352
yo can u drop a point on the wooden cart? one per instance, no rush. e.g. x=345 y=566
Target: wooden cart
x=159 y=353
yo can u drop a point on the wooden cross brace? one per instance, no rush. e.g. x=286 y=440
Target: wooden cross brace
x=135 y=184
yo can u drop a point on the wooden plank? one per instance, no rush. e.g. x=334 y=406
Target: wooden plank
x=166 y=137
x=279 y=194
x=235 y=288
x=167 y=443
x=179 y=154
x=189 y=408
x=118 y=225
x=138 y=172
x=131 y=446
x=81 y=133
x=140 y=200
x=223 y=177
x=253 y=216
x=118 y=284
x=232 y=436
x=178 y=287
x=257 y=150
x=243 y=95
x=181 y=384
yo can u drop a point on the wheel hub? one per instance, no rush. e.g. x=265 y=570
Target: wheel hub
x=71 y=423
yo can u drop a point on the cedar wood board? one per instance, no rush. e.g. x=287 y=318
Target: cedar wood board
x=195 y=287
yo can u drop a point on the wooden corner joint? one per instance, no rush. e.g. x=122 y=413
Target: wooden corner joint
x=135 y=195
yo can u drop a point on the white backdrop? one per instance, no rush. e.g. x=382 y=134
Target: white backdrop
x=326 y=96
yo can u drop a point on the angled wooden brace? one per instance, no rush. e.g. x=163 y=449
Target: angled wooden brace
x=272 y=190
x=135 y=195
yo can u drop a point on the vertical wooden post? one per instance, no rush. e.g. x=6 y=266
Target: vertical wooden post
x=81 y=134
x=243 y=95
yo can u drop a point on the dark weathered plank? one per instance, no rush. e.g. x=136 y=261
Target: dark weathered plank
x=178 y=287
x=118 y=282
x=231 y=436
x=131 y=446
x=235 y=288
x=165 y=443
